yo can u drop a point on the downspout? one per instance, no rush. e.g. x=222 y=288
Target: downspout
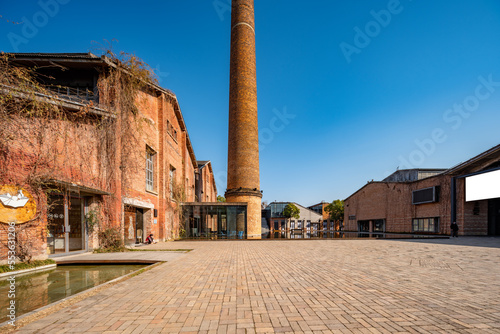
x=453 y=199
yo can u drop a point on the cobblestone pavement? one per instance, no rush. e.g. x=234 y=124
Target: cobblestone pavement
x=301 y=286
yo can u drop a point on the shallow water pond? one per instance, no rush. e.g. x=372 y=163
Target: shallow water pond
x=39 y=289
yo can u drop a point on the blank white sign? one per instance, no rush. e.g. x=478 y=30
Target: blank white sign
x=482 y=186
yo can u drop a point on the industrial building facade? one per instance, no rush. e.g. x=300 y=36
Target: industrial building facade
x=276 y=225
x=426 y=201
x=130 y=169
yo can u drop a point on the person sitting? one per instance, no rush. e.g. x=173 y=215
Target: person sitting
x=149 y=239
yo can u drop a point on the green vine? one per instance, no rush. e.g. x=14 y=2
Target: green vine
x=92 y=220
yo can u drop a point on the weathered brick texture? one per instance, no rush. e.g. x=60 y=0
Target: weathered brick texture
x=243 y=179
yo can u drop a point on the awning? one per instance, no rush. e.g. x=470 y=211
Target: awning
x=73 y=187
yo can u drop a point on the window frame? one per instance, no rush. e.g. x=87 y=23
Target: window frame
x=420 y=224
x=150 y=169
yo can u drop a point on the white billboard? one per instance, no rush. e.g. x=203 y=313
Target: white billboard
x=482 y=186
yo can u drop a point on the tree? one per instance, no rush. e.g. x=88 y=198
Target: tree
x=336 y=211
x=220 y=198
x=291 y=211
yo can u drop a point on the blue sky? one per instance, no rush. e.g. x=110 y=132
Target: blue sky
x=348 y=91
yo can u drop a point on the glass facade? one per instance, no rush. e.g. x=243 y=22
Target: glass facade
x=215 y=221
x=425 y=224
x=277 y=209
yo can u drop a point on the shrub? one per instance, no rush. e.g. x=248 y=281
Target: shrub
x=110 y=240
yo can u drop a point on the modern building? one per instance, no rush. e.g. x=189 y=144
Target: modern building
x=99 y=157
x=215 y=220
x=426 y=201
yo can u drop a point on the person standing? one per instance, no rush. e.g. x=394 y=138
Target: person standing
x=454 y=229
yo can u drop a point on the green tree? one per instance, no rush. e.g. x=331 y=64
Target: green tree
x=291 y=211
x=336 y=211
x=220 y=198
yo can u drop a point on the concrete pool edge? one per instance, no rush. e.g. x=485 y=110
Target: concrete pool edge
x=27 y=271
x=44 y=311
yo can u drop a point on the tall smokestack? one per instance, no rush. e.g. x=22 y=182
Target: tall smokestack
x=243 y=180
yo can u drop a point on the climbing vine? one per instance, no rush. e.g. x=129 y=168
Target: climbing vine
x=42 y=141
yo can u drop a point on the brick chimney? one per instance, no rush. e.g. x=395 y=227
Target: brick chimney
x=243 y=180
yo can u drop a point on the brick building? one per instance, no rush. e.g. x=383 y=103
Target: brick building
x=206 y=190
x=129 y=166
x=427 y=200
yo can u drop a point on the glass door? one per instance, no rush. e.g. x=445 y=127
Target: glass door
x=65 y=224
x=75 y=228
x=55 y=225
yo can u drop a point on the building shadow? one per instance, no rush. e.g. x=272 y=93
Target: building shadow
x=469 y=241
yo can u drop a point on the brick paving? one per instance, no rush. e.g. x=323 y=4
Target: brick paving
x=301 y=286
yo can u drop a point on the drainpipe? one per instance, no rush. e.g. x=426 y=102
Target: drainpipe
x=453 y=199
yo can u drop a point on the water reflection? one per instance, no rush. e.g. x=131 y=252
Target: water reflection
x=40 y=289
x=299 y=234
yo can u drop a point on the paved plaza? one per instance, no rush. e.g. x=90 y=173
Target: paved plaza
x=301 y=286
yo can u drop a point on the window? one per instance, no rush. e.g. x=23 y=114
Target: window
x=299 y=224
x=425 y=225
x=150 y=163
x=292 y=224
x=378 y=225
x=427 y=195
x=172 y=181
x=171 y=131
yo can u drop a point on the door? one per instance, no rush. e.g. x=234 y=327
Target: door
x=130 y=226
x=363 y=226
x=139 y=225
x=56 y=241
x=75 y=228
x=66 y=230
x=494 y=216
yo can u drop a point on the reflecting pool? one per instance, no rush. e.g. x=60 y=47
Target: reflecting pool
x=43 y=288
x=300 y=234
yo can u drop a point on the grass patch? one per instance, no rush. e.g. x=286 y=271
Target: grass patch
x=110 y=250
x=140 y=271
x=23 y=265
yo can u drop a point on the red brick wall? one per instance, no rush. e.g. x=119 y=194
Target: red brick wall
x=208 y=186
x=56 y=149
x=75 y=152
x=393 y=202
x=468 y=222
